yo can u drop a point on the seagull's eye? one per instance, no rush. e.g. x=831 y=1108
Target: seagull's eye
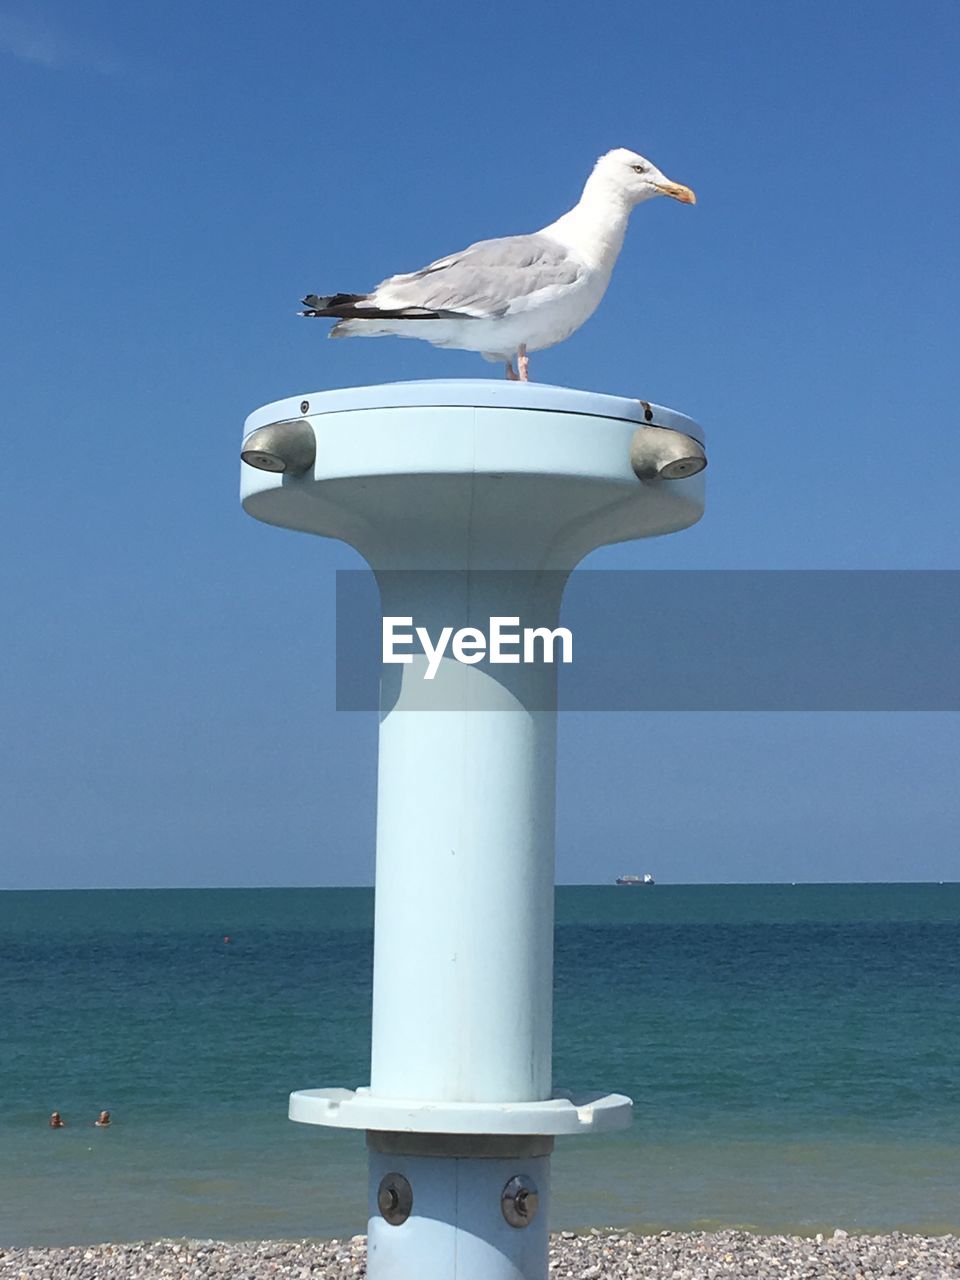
x=639 y=168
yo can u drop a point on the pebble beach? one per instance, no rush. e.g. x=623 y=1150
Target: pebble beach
x=595 y=1255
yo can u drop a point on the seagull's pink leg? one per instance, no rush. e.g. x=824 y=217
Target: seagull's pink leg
x=523 y=363
x=511 y=375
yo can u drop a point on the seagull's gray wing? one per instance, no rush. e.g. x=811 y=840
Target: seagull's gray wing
x=491 y=278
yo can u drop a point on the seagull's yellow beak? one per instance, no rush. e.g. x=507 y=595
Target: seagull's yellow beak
x=678 y=191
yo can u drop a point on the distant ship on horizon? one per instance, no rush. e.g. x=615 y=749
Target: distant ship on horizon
x=646 y=878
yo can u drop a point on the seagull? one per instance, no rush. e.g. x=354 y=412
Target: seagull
x=517 y=294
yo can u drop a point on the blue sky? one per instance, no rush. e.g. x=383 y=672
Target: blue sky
x=176 y=175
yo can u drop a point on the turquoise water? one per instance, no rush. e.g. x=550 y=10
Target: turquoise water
x=794 y=1052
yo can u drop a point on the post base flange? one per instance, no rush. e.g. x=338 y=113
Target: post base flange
x=359 y=1109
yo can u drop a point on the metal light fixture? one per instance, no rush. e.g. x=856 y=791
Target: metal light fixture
x=289 y=447
x=659 y=453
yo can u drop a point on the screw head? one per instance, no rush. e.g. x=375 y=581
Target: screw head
x=394 y=1198
x=520 y=1200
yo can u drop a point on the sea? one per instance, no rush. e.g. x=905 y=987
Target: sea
x=793 y=1052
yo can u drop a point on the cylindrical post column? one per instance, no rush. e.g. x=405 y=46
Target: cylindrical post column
x=463 y=934
x=463 y=940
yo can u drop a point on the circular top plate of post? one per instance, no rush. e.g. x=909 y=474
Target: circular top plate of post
x=488 y=474
x=360 y=1109
x=474 y=393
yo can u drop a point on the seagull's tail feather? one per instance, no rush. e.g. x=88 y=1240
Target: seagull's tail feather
x=348 y=307
x=335 y=304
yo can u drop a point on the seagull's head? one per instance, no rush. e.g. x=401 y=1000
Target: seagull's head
x=635 y=179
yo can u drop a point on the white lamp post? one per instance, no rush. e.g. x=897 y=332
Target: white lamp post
x=491 y=492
